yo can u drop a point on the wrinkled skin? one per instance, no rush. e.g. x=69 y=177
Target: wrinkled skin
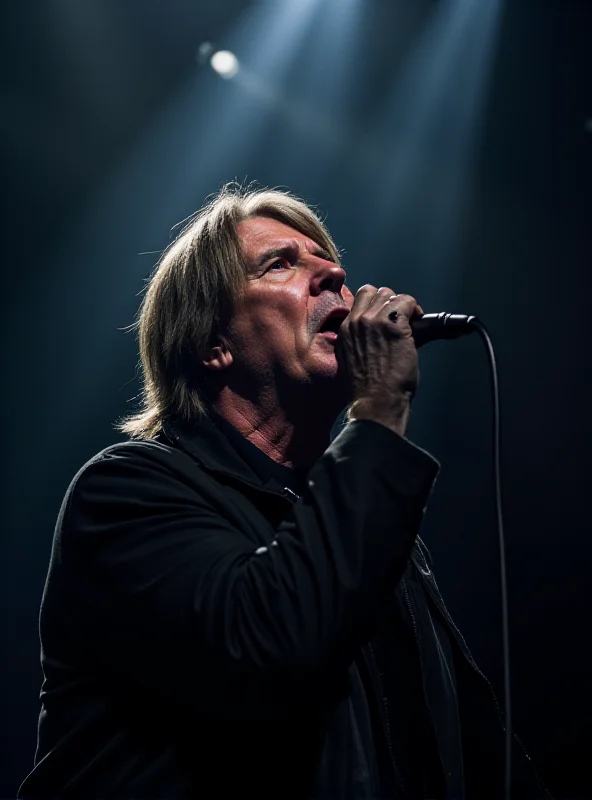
x=284 y=382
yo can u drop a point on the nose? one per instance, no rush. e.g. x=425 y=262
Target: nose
x=326 y=277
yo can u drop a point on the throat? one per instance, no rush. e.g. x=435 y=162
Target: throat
x=295 y=437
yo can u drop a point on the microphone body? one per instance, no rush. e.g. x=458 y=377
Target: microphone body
x=430 y=327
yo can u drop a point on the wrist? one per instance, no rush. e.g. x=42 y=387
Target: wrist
x=394 y=415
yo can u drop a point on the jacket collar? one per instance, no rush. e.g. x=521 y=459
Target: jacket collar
x=208 y=445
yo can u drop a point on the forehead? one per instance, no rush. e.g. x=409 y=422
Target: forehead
x=260 y=233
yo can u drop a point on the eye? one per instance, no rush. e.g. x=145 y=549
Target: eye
x=281 y=263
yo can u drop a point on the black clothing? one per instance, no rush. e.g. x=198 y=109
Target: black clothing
x=425 y=768
x=205 y=633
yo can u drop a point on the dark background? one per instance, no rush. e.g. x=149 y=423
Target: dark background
x=112 y=132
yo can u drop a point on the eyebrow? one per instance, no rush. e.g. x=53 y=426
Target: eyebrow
x=290 y=249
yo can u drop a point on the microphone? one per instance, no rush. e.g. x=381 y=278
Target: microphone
x=430 y=327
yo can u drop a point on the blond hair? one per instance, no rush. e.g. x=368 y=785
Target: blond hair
x=191 y=296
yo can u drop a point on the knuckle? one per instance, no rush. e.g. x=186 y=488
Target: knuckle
x=406 y=304
x=363 y=321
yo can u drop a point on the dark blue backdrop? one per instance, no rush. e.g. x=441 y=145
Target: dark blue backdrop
x=112 y=133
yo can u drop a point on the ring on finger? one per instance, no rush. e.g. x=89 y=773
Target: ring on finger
x=394 y=314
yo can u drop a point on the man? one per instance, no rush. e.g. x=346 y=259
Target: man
x=235 y=605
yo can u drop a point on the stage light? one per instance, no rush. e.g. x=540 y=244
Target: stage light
x=225 y=63
x=204 y=51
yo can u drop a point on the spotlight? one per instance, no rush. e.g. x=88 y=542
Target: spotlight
x=225 y=63
x=204 y=52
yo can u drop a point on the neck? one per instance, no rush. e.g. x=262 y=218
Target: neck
x=295 y=437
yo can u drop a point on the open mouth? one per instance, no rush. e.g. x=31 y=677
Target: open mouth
x=332 y=323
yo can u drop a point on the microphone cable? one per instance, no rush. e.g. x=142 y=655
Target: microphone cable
x=508 y=736
x=431 y=327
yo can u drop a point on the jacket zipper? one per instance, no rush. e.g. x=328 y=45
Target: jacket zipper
x=413 y=621
x=373 y=667
x=464 y=648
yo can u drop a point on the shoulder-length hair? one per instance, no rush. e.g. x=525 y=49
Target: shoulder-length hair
x=190 y=298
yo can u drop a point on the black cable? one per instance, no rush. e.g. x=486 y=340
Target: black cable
x=502 y=551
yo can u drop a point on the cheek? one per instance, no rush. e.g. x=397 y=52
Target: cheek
x=275 y=312
x=268 y=325
x=262 y=330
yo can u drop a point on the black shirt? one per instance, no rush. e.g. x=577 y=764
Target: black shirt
x=414 y=659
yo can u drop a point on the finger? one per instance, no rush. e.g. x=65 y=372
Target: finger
x=362 y=300
x=403 y=304
x=378 y=300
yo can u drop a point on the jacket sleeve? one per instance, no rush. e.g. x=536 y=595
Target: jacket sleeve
x=159 y=586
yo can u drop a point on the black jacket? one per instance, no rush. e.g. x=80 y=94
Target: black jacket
x=205 y=632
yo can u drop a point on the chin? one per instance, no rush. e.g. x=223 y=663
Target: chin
x=326 y=370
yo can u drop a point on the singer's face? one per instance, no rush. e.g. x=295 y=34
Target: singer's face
x=292 y=285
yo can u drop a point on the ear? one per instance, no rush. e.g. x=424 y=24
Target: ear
x=219 y=357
